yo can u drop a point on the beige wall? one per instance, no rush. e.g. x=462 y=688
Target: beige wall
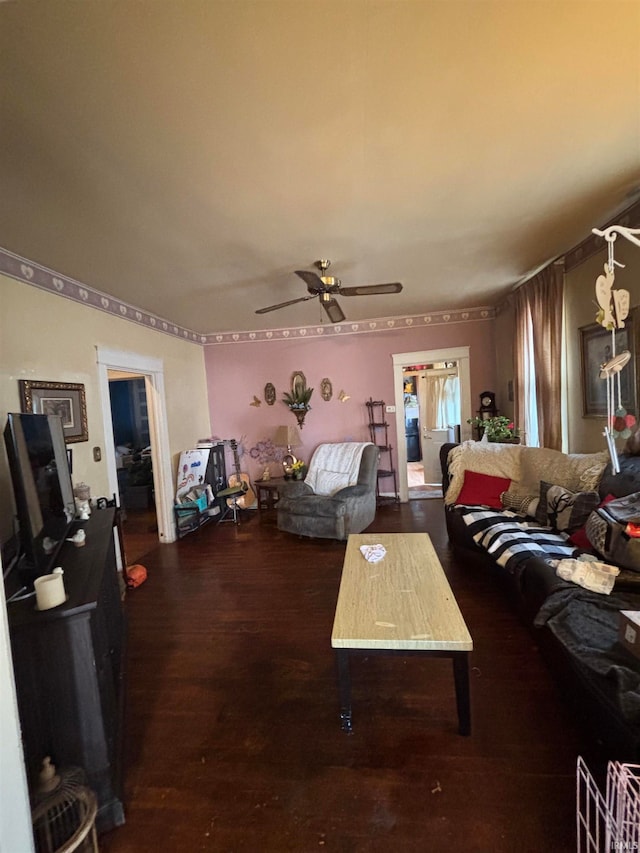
x=46 y=337
x=585 y=433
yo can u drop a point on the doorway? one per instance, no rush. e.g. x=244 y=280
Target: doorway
x=429 y=438
x=432 y=417
x=134 y=463
x=112 y=363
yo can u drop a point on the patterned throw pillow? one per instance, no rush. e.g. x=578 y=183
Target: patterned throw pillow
x=564 y=510
x=522 y=503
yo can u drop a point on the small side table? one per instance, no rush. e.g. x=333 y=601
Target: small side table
x=267 y=492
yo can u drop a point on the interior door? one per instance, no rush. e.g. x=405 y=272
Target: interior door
x=431 y=438
x=405 y=362
x=432 y=441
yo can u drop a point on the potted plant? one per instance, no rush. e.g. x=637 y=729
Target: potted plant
x=298 y=402
x=498 y=428
x=298 y=470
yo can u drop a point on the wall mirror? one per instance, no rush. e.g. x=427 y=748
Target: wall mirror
x=298 y=383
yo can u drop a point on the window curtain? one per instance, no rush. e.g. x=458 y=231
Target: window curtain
x=443 y=401
x=538 y=308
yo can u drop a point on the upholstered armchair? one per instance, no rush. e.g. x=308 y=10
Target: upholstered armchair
x=338 y=495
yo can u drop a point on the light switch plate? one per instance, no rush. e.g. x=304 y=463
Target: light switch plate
x=390 y=410
x=97 y=454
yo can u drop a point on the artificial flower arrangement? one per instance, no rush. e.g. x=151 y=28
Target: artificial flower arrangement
x=297 y=469
x=298 y=402
x=298 y=399
x=497 y=428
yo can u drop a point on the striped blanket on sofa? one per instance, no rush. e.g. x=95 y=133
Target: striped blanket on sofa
x=512 y=538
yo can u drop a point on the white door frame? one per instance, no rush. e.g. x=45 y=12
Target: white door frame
x=153 y=371
x=408 y=359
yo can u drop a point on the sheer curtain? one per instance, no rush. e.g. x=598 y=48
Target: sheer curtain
x=538 y=308
x=443 y=401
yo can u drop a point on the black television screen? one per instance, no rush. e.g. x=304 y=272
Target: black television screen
x=42 y=488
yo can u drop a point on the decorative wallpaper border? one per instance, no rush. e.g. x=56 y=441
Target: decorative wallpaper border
x=355 y=327
x=29 y=272
x=36 y=275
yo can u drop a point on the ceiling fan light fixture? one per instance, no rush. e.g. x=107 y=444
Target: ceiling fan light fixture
x=325 y=287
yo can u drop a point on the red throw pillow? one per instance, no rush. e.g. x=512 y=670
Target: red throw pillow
x=579 y=537
x=482 y=489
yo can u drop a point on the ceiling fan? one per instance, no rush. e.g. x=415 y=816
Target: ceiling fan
x=326 y=287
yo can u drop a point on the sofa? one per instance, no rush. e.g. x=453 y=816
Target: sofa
x=500 y=520
x=337 y=496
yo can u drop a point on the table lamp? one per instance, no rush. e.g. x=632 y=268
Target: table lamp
x=288 y=436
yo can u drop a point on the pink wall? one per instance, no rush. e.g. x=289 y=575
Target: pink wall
x=359 y=364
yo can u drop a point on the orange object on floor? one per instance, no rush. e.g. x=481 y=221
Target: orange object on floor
x=136 y=575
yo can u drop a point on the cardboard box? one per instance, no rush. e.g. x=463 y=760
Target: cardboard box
x=630 y=631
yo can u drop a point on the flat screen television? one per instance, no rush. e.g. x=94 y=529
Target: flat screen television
x=42 y=488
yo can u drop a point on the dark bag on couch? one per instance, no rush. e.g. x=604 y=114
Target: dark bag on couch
x=614 y=531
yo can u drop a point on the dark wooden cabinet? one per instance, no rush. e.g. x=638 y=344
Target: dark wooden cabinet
x=69 y=670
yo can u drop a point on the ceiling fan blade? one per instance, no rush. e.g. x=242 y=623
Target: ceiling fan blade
x=313 y=281
x=371 y=289
x=283 y=304
x=333 y=310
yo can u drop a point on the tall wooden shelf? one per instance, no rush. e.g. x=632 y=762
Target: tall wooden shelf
x=379 y=433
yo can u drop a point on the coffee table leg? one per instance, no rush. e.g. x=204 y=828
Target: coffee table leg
x=461 y=679
x=344 y=685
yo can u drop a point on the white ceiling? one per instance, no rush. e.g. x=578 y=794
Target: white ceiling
x=188 y=156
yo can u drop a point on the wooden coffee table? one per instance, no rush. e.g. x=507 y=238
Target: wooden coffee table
x=400 y=605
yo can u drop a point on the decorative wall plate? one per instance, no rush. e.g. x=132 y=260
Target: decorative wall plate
x=270 y=393
x=326 y=389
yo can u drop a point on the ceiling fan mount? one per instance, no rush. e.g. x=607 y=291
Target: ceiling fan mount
x=329 y=281
x=325 y=287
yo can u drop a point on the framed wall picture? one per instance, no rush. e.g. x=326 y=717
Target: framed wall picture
x=66 y=399
x=596 y=349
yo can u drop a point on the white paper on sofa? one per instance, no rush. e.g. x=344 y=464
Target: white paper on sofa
x=593 y=575
x=373 y=553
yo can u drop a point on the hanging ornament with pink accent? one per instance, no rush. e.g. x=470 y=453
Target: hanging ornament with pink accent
x=613 y=311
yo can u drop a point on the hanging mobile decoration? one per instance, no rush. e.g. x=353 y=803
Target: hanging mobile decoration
x=613 y=310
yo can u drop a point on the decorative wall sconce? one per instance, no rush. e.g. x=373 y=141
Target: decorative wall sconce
x=326 y=390
x=297 y=400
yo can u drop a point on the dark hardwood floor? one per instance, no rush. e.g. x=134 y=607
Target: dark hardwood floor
x=233 y=740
